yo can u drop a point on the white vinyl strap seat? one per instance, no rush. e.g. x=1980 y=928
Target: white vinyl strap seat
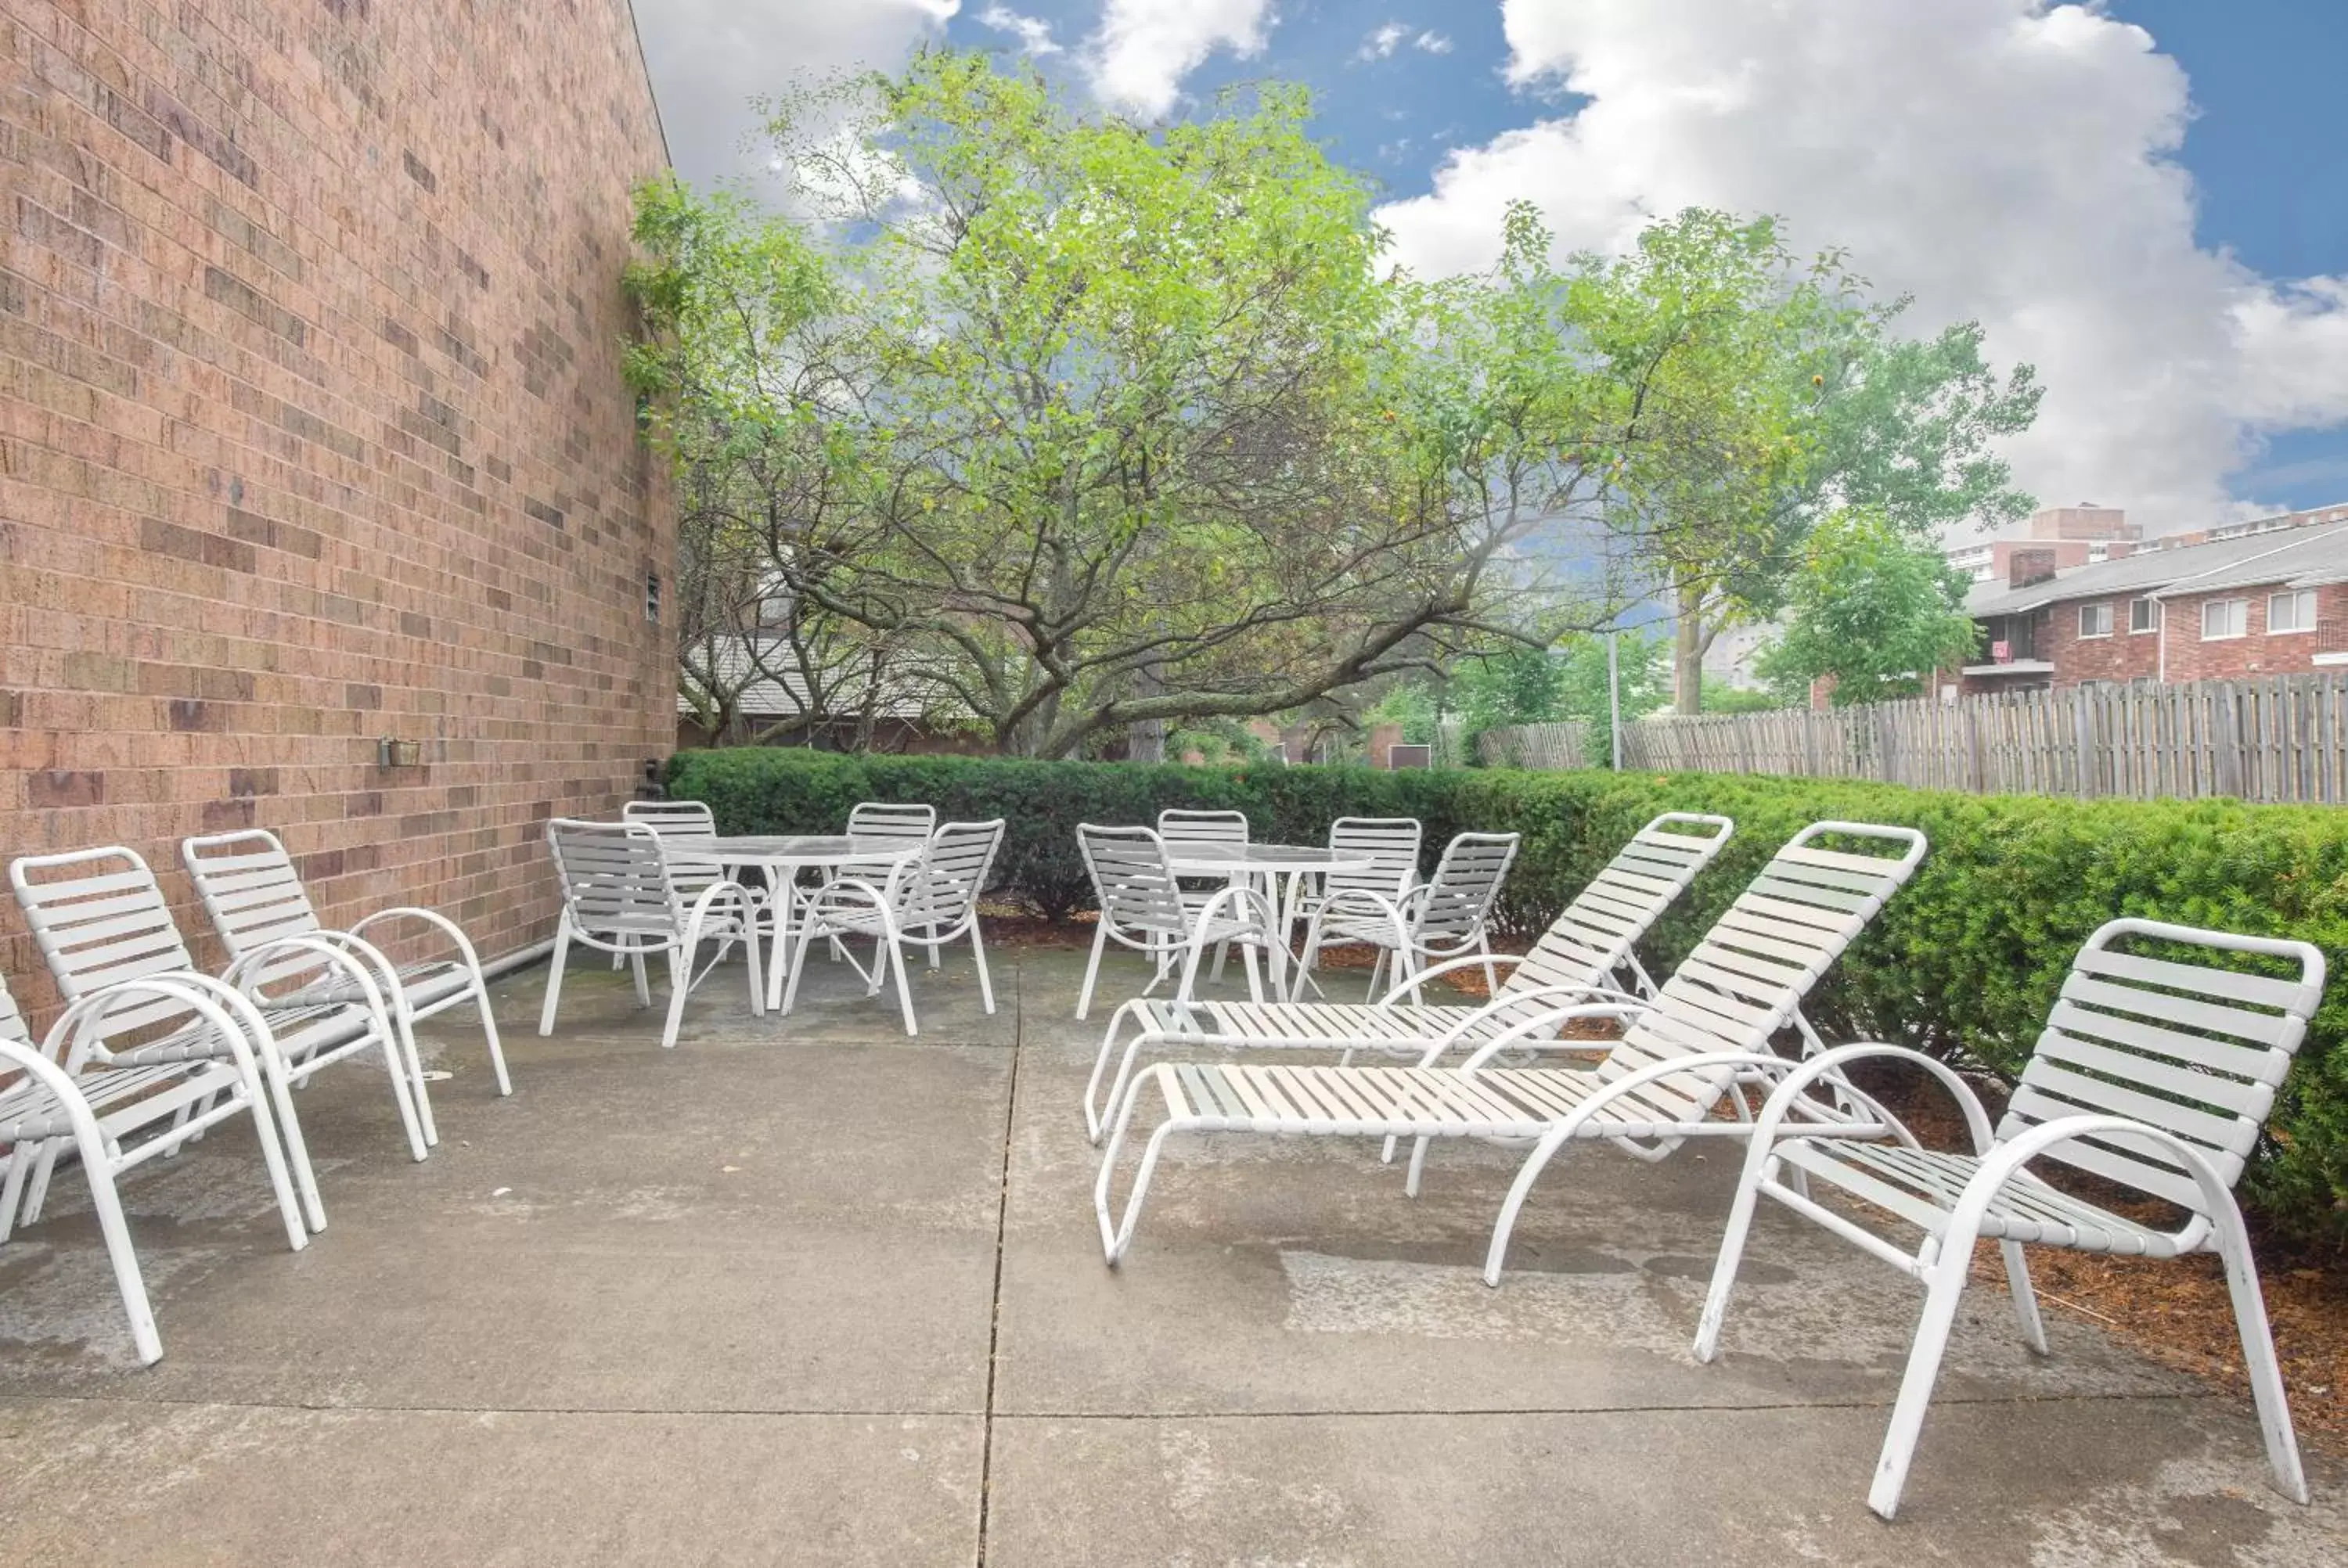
x=1665 y=1081
x=99 y=920
x=2158 y=1067
x=931 y=899
x=1587 y=948
x=1446 y=916
x=250 y=889
x=68 y=1092
x=618 y=895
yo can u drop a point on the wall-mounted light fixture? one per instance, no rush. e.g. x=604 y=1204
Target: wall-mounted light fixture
x=392 y=753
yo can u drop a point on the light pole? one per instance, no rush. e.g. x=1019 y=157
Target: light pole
x=1613 y=702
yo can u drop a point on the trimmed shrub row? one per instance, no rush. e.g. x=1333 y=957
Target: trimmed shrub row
x=1964 y=963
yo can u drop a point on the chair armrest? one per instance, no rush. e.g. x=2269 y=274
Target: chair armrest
x=433 y=918
x=221 y=1007
x=1472 y=961
x=331 y=955
x=1521 y=1035
x=1783 y=1100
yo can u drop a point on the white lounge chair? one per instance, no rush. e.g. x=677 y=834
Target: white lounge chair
x=1680 y=1055
x=197 y=1068
x=932 y=900
x=1587 y=948
x=1143 y=907
x=618 y=895
x=2155 y=1073
x=1445 y=917
x=251 y=890
x=99 y=920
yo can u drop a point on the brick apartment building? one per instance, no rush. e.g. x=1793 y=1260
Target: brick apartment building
x=313 y=434
x=2060 y=537
x=2266 y=598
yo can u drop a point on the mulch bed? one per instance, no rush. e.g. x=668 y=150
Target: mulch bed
x=2176 y=1311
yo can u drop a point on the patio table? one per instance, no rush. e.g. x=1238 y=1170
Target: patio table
x=1271 y=862
x=782 y=856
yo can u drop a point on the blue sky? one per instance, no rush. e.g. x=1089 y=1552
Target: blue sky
x=2003 y=161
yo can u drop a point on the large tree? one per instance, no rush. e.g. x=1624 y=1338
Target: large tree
x=1092 y=424
x=1872 y=607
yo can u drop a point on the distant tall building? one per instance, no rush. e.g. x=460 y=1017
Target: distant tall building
x=2059 y=537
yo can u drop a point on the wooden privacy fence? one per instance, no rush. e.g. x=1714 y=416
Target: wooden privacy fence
x=2277 y=739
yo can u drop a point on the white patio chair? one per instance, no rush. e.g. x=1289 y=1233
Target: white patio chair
x=1142 y=907
x=116 y=1111
x=618 y=895
x=932 y=900
x=2155 y=1073
x=251 y=890
x=1178 y=829
x=680 y=824
x=1679 y=1060
x=99 y=920
x=1444 y=917
x=899 y=823
x=1587 y=948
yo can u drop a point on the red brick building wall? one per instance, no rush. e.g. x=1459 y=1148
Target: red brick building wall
x=2259 y=651
x=312 y=432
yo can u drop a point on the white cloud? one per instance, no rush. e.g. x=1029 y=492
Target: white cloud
x=1432 y=42
x=1383 y=42
x=1034 y=34
x=1145 y=47
x=709 y=59
x=2001 y=159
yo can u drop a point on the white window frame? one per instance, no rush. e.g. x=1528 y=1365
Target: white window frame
x=2240 y=618
x=2085 y=609
x=2296 y=596
x=2152 y=622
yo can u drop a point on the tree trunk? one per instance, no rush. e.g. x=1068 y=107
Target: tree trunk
x=1687 y=652
x=1145 y=738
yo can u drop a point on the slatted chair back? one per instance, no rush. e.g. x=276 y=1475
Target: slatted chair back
x=679 y=824
x=1391 y=844
x=1458 y=898
x=1179 y=827
x=98 y=917
x=1595 y=934
x=253 y=894
x=1132 y=878
x=1746 y=978
x=13 y=1028
x=614 y=876
x=2154 y=1023
x=879 y=819
x=942 y=889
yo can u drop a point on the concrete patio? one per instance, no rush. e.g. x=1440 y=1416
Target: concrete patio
x=809 y=1291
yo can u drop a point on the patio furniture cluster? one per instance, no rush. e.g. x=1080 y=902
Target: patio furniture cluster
x=2155 y=1073
x=151 y=1051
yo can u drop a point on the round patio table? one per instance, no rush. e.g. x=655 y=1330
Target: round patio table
x=781 y=856
x=1271 y=862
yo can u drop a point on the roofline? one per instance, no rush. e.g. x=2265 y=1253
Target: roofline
x=644 y=64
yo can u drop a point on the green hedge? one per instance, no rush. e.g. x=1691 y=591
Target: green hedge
x=1964 y=963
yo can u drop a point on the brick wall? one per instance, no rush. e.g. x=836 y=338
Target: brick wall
x=2258 y=651
x=312 y=432
x=2124 y=655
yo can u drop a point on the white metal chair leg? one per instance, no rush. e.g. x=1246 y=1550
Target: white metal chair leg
x=1519 y=1190
x=116 y=1232
x=680 y=984
x=797 y=966
x=1092 y=969
x=643 y=984
x=415 y=1068
x=985 y=981
x=489 y=1033
x=1758 y=1166
x=1255 y=971
x=1944 y=1287
x=2025 y=1300
x=554 y=973
x=1116 y=1241
x=2258 y=1347
x=403 y=1096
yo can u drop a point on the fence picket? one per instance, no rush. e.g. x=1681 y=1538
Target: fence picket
x=2273 y=738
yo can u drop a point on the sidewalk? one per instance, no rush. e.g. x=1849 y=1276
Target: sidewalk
x=807 y=1291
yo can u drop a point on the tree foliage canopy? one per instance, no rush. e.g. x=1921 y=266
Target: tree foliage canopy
x=1071 y=427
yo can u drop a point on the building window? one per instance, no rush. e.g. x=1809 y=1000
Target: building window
x=2144 y=615
x=652 y=597
x=2094 y=621
x=2224 y=618
x=2292 y=612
